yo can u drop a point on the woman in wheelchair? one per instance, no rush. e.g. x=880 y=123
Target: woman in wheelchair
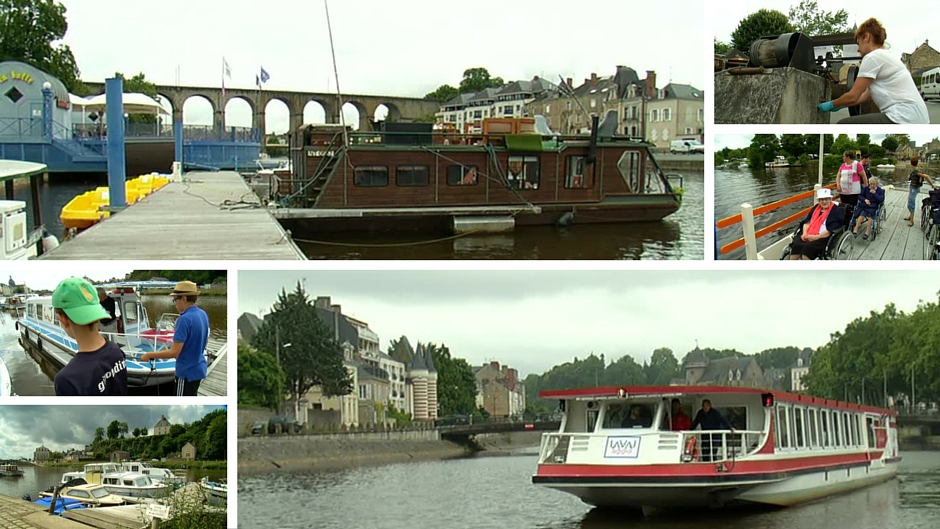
x=871 y=198
x=815 y=230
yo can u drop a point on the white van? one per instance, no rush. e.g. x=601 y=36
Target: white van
x=686 y=147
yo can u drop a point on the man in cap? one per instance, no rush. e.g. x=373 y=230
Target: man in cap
x=189 y=340
x=98 y=367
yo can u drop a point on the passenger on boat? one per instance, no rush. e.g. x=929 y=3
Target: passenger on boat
x=190 y=337
x=883 y=79
x=108 y=305
x=680 y=421
x=819 y=224
x=98 y=367
x=871 y=197
x=851 y=179
x=710 y=419
x=639 y=417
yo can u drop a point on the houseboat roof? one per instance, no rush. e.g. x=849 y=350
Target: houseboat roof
x=627 y=391
x=13 y=169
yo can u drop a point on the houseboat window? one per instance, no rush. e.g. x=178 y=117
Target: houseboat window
x=629 y=167
x=870 y=426
x=576 y=177
x=798 y=427
x=855 y=431
x=461 y=175
x=523 y=172
x=811 y=421
x=782 y=424
x=48 y=314
x=848 y=430
x=412 y=175
x=836 y=439
x=371 y=176
x=824 y=429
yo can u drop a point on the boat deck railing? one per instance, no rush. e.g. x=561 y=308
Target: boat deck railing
x=746 y=219
x=698 y=446
x=155 y=342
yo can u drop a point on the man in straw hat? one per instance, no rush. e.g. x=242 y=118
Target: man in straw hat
x=189 y=340
x=98 y=367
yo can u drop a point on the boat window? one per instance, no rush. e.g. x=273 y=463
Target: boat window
x=825 y=441
x=462 y=175
x=128 y=482
x=78 y=494
x=48 y=314
x=576 y=177
x=523 y=172
x=591 y=419
x=371 y=176
x=798 y=427
x=735 y=415
x=782 y=425
x=836 y=439
x=130 y=312
x=811 y=421
x=412 y=175
x=100 y=492
x=870 y=427
x=855 y=431
x=628 y=416
x=629 y=167
x=142 y=482
x=847 y=429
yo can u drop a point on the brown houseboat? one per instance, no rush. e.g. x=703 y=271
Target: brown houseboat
x=409 y=175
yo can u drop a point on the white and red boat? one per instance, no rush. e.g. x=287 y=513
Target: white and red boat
x=784 y=448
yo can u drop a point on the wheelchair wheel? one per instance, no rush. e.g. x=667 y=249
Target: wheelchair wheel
x=845 y=247
x=932 y=250
x=785 y=256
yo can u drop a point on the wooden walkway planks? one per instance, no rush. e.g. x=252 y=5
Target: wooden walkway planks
x=896 y=241
x=184 y=221
x=216 y=382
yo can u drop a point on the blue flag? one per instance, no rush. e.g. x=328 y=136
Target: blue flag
x=264 y=75
x=257 y=81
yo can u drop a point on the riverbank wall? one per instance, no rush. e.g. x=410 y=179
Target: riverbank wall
x=338 y=451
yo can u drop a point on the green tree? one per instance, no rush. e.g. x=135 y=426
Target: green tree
x=763 y=149
x=122 y=429
x=890 y=143
x=719 y=158
x=721 y=47
x=843 y=143
x=313 y=358
x=876 y=151
x=903 y=139
x=99 y=434
x=261 y=382
x=476 y=79
x=863 y=140
x=662 y=367
x=812 y=143
x=114 y=429
x=139 y=85
x=794 y=144
x=456 y=383
x=443 y=93
x=213 y=445
x=136 y=432
x=807 y=18
x=30 y=31
x=143 y=432
x=759 y=24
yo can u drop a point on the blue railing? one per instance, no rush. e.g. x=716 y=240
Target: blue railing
x=21 y=128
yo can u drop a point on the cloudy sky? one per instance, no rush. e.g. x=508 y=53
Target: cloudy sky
x=47 y=277
x=905 y=27
x=404 y=48
x=59 y=428
x=533 y=320
x=740 y=141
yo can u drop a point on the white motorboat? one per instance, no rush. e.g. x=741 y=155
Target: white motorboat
x=87 y=494
x=128 y=485
x=214 y=490
x=617 y=448
x=163 y=476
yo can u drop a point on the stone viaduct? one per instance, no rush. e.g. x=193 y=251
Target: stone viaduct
x=408 y=108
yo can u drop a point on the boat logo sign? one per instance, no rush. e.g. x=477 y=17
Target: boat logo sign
x=624 y=446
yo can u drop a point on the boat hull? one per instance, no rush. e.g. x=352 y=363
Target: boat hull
x=781 y=490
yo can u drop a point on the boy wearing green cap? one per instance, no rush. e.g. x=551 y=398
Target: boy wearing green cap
x=98 y=368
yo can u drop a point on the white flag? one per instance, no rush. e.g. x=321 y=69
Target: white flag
x=228 y=70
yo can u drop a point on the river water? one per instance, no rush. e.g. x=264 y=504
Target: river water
x=55 y=194
x=37 y=479
x=678 y=236
x=33 y=376
x=757 y=187
x=497 y=492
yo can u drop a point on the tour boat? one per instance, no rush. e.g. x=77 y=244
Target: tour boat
x=88 y=494
x=10 y=471
x=784 y=448
x=214 y=489
x=128 y=485
x=6 y=384
x=157 y=475
x=39 y=327
x=411 y=176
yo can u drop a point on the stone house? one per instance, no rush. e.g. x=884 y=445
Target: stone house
x=732 y=371
x=798 y=371
x=162 y=427
x=922 y=57
x=189 y=452
x=119 y=456
x=500 y=391
x=677 y=112
x=42 y=454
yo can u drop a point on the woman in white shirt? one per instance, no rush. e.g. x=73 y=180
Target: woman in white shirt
x=884 y=79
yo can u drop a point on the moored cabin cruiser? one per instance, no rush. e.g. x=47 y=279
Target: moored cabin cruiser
x=89 y=495
x=11 y=471
x=157 y=475
x=128 y=485
x=130 y=329
x=616 y=447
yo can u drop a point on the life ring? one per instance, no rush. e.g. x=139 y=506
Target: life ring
x=691 y=448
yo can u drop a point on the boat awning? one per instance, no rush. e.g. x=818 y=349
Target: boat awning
x=14 y=169
x=524 y=142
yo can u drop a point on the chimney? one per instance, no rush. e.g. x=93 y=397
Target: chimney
x=569 y=83
x=495 y=365
x=322 y=302
x=336 y=308
x=650 y=84
x=593 y=78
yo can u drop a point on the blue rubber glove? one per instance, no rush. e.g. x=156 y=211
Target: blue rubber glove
x=828 y=107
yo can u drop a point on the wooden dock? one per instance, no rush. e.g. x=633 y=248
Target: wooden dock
x=207 y=216
x=216 y=382
x=16 y=513
x=896 y=241
x=132 y=516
